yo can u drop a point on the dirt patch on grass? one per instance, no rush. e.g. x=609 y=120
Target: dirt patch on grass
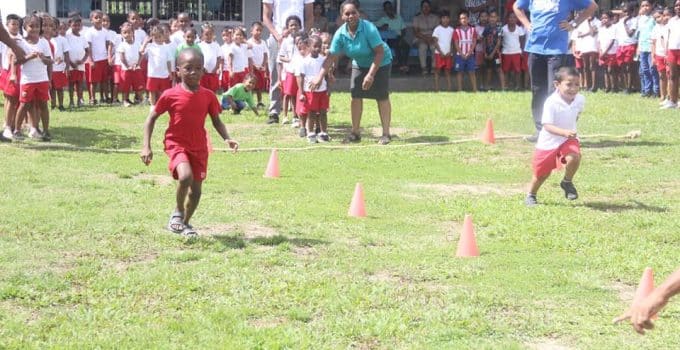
x=400 y=132
x=389 y=277
x=305 y=252
x=161 y=180
x=124 y=265
x=250 y=230
x=267 y=322
x=547 y=344
x=366 y=343
x=625 y=292
x=475 y=189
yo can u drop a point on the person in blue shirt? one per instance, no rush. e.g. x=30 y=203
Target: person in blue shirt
x=547 y=44
x=371 y=58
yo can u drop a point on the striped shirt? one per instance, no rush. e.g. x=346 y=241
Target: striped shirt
x=466 y=37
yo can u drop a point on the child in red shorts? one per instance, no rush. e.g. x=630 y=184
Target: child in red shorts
x=315 y=101
x=11 y=74
x=260 y=61
x=59 y=69
x=131 y=76
x=185 y=139
x=35 y=82
x=97 y=71
x=212 y=56
x=78 y=52
x=557 y=140
x=443 y=55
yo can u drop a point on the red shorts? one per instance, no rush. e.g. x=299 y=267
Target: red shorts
x=290 y=85
x=608 y=60
x=479 y=58
x=673 y=57
x=661 y=65
x=131 y=80
x=35 y=92
x=236 y=78
x=158 y=84
x=525 y=62
x=75 y=76
x=97 y=72
x=144 y=65
x=225 y=80
x=12 y=88
x=317 y=101
x=546 y=160
x=625 y=54
x=117 y=74
x=511 y=63
x=261 y=76
x=3 y=79
x=197 y=160
x=443 y=62
x=578 y=62
x=301 y=108
x=59 y=80
x=210 y=81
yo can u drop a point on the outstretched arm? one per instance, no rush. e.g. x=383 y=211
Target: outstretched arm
x=19 y=53
x=640 y=314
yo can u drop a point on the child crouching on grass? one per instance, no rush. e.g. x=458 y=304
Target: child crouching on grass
x=557 y=140
x=240 y=95
x=185 y=139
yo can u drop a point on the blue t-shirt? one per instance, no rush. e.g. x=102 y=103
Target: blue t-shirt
x=645 y=26
x=360 y=47
x=546 y=37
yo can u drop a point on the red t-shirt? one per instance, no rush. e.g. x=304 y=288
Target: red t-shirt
x=187 y=116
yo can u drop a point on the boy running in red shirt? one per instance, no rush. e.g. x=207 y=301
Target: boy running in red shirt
x=185 y=139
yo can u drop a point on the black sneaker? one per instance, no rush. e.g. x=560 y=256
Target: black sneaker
x=273 y=119
x=4 y=139
x=569 y=190
x=530 y=200
x=532 y=138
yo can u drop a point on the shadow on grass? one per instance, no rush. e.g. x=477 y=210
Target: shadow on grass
x=620 y=143
x=426 y=138
x=617 y=207
x=85 y=137
x=240 y=242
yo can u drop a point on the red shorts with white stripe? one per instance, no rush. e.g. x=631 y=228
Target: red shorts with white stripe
x=59 y=80
x=158 y=84
x=35 y=92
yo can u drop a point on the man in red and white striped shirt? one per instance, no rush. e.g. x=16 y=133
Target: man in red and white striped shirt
x=465 y=38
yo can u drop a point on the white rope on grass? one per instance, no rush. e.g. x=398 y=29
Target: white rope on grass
x=60 y=146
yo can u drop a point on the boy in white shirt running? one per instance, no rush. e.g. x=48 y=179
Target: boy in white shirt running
x=557 y=140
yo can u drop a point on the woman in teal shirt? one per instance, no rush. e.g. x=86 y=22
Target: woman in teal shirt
x=371 y=59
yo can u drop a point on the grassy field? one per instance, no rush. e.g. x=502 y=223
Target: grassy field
x=85 y=261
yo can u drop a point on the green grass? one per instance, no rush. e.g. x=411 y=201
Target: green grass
x=85 y=262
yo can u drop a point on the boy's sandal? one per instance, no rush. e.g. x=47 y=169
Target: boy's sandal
x=189 y=231
x=352 y=137
x=176 y=223
x=384 y=140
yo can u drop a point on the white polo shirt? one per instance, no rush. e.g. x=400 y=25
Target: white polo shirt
x=558 y=112
x=282 y=9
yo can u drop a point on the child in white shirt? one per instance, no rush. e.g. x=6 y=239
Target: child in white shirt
x=443 y=56
x=315 y=102
x=131 y=75
x=59 y=68
x=79 y=50
x=159 y=70
x=558 y=140
x=212 y=58
x=97 y=37
x=260 y=67
x=35 y=81
x=512 y=40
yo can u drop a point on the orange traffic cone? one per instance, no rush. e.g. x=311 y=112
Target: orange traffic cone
x=646 y=286
x=207 y=140
x=273 y=165
x=467 y=246
x=488 y=136
x=357 y=208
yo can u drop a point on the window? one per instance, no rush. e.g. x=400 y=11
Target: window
x=204 y=10
x=65 y=7
x=122 y=7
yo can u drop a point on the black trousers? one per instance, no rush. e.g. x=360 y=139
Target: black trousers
x=542 y=70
